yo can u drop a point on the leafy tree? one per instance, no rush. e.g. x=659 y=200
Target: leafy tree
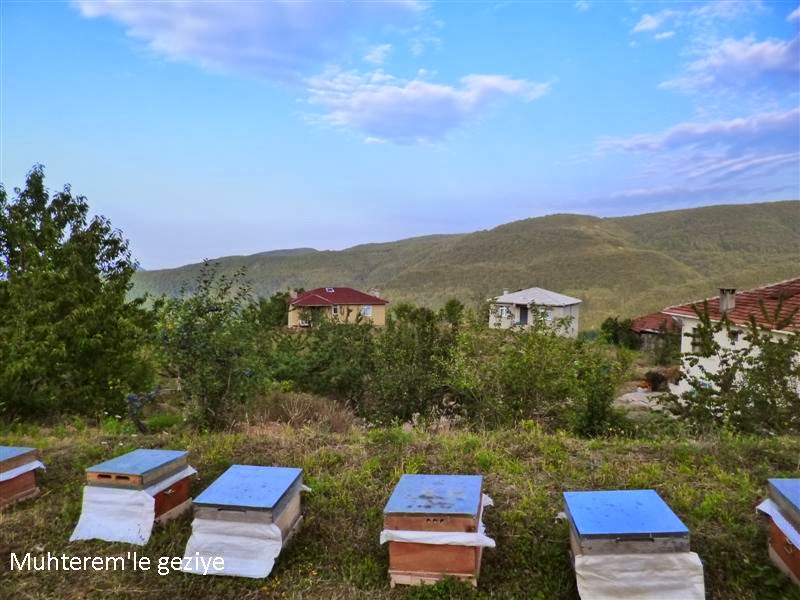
x=273 y=312
x=752 y=385
x=410 y=362
x=619 y=333
x=210 y=343
x=70 y=342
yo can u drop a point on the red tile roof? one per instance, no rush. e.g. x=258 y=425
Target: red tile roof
x=653 y=322
x=331 y=296
x=749 y=302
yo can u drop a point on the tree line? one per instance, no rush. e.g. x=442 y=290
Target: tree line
x=72 y=342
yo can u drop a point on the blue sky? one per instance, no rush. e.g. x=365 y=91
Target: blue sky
x=204 y=129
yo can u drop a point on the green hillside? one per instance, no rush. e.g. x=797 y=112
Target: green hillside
x=618 y=265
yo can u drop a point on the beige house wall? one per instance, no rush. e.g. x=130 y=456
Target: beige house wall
x=347 y=313
x=505 y=319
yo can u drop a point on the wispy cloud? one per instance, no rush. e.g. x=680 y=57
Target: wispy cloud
x=664 y=35
x=794 y=15
x=652 y=22
x=377 y=55
x=582 y=5
x=277 y=39
x=705 y=155
x=739 y=63
x=773 y=130
x=416 y=111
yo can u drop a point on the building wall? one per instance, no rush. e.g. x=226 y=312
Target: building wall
x=500 y=319
x=347 y=313
x=710 y=363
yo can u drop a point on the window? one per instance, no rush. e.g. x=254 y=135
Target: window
x=697 y=342
x=504 y=312
x=335 y=309
x=366 y=310
x=734 y=335
x=329 y=290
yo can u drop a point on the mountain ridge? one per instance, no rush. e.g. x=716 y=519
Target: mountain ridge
x=618 y=265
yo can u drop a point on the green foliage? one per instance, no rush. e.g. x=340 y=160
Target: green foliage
x=209 y=343
x=619 y=333
x=410 y=362
x=506 y=376
x=751 y=382
x=69 y=340
x=272 y=312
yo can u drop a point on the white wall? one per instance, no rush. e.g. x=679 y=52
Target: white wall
x=710 y=363
x=497 y=321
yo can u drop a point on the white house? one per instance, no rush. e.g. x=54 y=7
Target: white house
x=518 y=309
x=738 y=307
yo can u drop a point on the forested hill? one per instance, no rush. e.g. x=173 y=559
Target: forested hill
x=620 y=265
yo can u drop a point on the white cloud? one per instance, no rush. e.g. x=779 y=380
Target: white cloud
x=377 y=55
x=734 y=63
x=664 y=35
x=794 y=15
x=385 y=108
x=650 y=22
x=582 y=5
x=276 y=39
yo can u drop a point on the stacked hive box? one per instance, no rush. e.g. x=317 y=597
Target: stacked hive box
x=246 y=517
x=783 y=509
x=125 y=496
x=18 y=474
x=630 y=544
x=434 y=527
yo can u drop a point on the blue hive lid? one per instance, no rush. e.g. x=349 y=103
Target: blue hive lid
x=620 y=513
x=138 y=462
x=248 y=486
x=789 y=489
x=8 y=452
x=436 y=494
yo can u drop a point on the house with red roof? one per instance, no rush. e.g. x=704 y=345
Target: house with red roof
x=775 y=307
x=342 y=304
x=652 y=328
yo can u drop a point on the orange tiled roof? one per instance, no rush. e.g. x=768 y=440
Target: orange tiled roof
x=748 y=303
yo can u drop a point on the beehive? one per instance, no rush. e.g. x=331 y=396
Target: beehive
x=18 y=474
x=145 y=468
x=246 y=517
x=254 y=494
x=629 y=543
x=623 y=522
x=126 y=496
x=422 y=505
x=783 y=510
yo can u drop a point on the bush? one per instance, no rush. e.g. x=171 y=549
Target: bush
x=211 y=347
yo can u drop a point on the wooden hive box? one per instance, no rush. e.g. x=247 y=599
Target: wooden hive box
x=434 y=503
x=142 y=469
x=254 y=494
x=23 y=485
x=623 y=522
x=784 y=530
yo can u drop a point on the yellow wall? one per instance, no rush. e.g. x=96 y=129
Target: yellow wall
x=347 y=313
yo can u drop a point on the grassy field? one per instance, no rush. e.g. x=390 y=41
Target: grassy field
x=712 y=483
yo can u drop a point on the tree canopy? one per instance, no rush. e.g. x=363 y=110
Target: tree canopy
x=70 y=342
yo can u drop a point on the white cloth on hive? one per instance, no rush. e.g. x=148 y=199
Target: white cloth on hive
x=247 y=549
x=447 y=538
x=119 y=514
x=658 y=576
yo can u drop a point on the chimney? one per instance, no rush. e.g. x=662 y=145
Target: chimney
x=375 y=292
x=727 y=299
x=505 y=291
